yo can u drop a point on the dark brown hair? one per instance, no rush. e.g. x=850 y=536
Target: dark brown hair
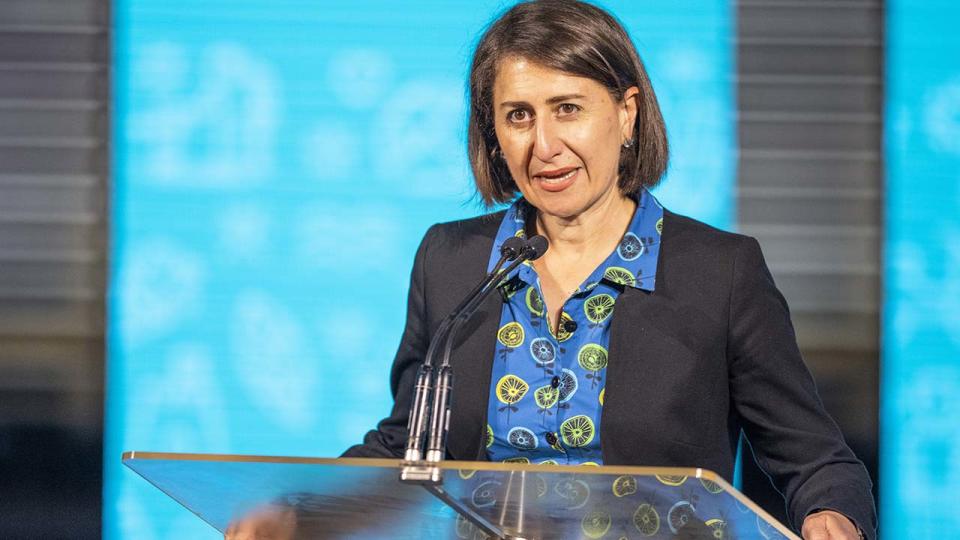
x=576 y=38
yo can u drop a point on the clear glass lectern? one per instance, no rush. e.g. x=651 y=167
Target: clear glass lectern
x=363 y=498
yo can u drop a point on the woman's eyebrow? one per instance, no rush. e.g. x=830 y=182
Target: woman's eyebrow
x=550 y=101
x=566 y=97
x=513 y=104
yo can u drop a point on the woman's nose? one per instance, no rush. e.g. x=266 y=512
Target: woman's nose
x=547 y=143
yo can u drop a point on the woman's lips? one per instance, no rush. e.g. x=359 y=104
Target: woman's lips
x=558 y=180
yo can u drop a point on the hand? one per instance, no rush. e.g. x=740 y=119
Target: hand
x=265 y=523
x=829 y=525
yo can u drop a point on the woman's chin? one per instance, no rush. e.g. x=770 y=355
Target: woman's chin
x=558 y=209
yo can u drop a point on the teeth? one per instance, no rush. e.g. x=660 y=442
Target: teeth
x=558 y=179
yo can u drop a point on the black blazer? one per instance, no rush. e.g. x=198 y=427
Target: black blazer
x=710 y=352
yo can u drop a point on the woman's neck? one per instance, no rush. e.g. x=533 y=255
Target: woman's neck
x=577 y=246
x=602 y=224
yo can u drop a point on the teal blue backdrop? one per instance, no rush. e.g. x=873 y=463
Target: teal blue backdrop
x=276 y=164
x=920 y=397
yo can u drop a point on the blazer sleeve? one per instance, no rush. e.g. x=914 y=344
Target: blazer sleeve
x=795 y=440
x=389 y=439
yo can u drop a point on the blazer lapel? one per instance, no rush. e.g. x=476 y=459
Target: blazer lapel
x=472 y=366
x=472 y=355
x=632 y=310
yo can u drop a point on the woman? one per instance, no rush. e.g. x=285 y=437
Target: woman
x=648 y=337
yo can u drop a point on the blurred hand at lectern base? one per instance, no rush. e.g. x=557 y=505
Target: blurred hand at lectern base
x=270 y=522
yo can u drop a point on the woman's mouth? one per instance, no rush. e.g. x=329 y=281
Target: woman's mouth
x=557 y=180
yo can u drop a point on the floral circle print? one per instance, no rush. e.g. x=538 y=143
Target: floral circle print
x=624 y=485
x=646 y=519
x=568 y=385
x=681 y=513
x=543 y=351
x=630 y=247
x=592 y=357
x=522 y=438
x=534 y=301
x=511 y=335
x=596 y=523
x=577 y=431
x=511 y=389
x=598 y=308
x=485 y=494
x=620 y=276
x=546 y=397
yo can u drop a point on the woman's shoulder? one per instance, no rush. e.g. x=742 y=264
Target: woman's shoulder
x=459 y=247
x=485 y=225
x=677 y=225
x=681 y=229
x=470 y=234
x=704 y=264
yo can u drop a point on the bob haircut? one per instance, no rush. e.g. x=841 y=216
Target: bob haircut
x=579 y=39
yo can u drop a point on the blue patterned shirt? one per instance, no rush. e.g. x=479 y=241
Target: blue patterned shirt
x=547 y=386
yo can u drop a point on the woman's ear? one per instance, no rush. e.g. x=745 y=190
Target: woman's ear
x=628 y=113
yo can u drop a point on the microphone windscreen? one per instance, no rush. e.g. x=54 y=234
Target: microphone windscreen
x=536 y=247
x=512 y=247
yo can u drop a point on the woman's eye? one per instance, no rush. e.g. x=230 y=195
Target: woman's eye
x=568 y=108
x=518 y=115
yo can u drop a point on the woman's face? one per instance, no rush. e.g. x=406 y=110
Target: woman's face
x=560 y=135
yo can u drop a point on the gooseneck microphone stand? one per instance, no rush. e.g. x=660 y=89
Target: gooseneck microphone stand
x=420 y=407
x=440 y=420
x=431 y=401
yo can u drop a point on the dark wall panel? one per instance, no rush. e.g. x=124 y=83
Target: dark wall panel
x=810 y=189
x=53 y=180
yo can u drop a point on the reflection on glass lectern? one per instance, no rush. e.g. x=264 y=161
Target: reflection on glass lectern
x=249 y=497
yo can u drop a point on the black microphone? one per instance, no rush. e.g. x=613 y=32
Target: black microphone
x=511 y=249
x=533 y=249
x=536 y=247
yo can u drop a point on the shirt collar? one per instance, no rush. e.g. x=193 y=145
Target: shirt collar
x=633 y=263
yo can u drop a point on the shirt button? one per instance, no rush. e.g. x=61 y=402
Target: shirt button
x=570 y=326
x=551 y=439
x=555 y=382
